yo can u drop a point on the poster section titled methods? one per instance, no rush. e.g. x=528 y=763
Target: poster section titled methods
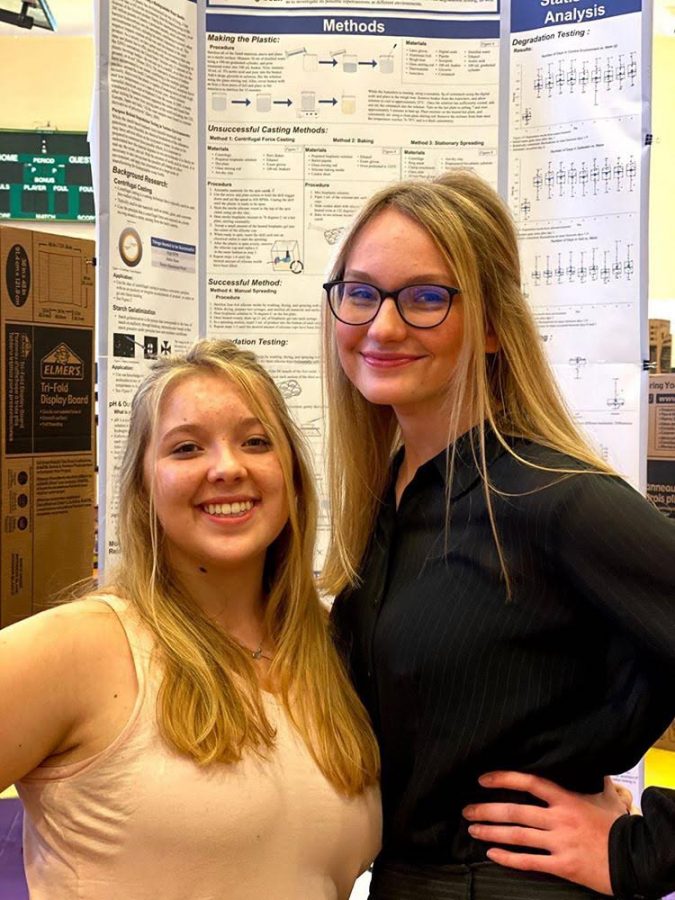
x=576 y=187
x=306 y=117
x=149 y=207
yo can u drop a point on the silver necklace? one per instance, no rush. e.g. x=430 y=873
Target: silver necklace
x=258 y=654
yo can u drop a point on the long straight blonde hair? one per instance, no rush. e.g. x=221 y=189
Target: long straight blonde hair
x=209 y=705
x=512 y=390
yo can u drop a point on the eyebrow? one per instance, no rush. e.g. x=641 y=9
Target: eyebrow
x=437 y=278
x=248 y=422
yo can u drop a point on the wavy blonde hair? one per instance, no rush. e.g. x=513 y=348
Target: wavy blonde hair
x=209 y=704
x=512 y=390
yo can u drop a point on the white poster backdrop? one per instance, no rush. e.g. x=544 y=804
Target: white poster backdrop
x=148 y=212
x=306 y=117
x=238 y=139
x=577 y=183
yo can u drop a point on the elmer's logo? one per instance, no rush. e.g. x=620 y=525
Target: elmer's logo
x=62 y=363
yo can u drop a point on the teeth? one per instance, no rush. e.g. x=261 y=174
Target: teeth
x=228 y=509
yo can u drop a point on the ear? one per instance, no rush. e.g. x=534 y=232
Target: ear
x=491 y=339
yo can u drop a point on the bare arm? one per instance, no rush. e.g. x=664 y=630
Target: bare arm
x=53 y=668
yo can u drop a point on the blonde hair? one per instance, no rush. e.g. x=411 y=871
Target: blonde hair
x=209 y=704
x=512 y=390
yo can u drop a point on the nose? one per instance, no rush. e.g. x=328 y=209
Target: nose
x=387 y=324
x=226 y=465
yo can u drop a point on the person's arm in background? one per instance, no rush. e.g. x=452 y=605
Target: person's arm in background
x=642 y=848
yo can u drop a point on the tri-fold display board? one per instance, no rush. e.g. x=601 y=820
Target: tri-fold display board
x=236 y=140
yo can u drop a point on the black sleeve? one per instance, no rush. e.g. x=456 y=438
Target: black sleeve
x=642 y=849
x=619 y=553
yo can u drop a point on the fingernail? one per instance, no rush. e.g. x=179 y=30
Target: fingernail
x=485 y=779
x=473 y=829
x=468 y=810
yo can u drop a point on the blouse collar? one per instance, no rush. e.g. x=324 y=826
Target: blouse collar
x=467 y=470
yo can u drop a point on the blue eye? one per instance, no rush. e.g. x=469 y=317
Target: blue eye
x=362 y=294
x=425 y=296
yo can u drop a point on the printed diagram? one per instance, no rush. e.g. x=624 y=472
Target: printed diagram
x=583 y=266
x=124 y=346
x=571 y=180
x=150 y=345
x=308 y=101
x=616 y=401
x=348 y=61
x=330 y=235
x=602 y=395
x=130 y=247
x=289 y=388
x=313 y=429
x=555 y=189
x=601 y=76
x=286 y=257
x=580 y=88
x=578 y=362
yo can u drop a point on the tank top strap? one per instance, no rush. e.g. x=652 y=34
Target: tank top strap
x=139 y=638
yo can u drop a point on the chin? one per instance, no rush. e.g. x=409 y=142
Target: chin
x=385 y=395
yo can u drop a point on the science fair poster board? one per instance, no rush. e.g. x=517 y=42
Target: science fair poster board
x=236 y=141
x=577 y=185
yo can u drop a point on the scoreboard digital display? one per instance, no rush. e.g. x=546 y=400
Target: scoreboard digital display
x=45 y=175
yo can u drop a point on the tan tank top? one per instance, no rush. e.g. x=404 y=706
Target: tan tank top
x=139 y=821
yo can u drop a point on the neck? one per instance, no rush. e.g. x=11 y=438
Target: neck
x=234 y=600
x=424 y=436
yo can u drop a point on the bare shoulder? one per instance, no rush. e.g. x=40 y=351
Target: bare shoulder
x=56 y=670
x=82 y=627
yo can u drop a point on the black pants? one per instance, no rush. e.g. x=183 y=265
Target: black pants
x=481 y=881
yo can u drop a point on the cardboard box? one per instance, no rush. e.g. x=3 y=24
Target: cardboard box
x=667 y=742
x=47 y=450
x=661 y=467
x=661 y=442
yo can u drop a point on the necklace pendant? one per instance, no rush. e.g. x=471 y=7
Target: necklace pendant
x=257 y=654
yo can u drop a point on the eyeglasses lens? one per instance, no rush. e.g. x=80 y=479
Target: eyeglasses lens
x=421 y=305
x=354 y=302
x=424 y=305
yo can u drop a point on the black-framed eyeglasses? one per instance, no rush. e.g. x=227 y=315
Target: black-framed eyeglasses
x=419 y=305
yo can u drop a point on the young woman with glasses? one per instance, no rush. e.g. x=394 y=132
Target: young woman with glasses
x=506 y=603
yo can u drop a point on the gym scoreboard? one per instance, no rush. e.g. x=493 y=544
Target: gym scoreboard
x=45 y=175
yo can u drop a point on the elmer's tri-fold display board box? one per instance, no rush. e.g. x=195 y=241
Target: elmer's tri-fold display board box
x=47 y=452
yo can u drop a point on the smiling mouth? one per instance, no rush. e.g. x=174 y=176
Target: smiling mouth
x=228 y=509
x=387 y=362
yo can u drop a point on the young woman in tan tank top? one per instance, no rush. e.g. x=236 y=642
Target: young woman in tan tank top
x=189 y=731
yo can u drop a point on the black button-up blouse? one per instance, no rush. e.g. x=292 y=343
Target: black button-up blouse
x=573 y=678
